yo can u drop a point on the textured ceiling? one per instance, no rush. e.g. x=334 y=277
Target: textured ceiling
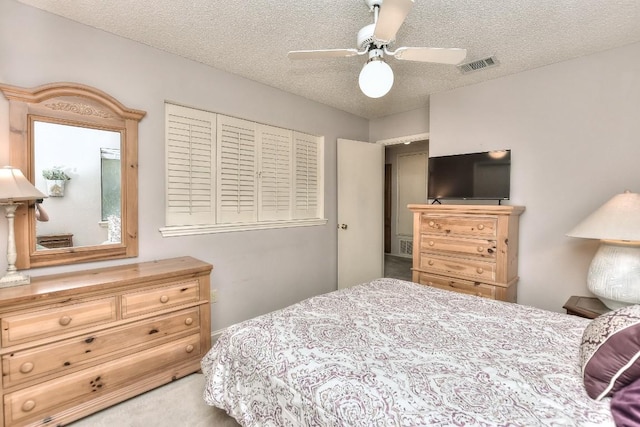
x=252 y=38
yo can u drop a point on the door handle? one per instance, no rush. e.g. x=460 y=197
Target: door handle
x=342 y=226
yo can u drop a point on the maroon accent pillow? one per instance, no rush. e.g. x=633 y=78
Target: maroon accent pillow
x=625 y=405
x=610 y=352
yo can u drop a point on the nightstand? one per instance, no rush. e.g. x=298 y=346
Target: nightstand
x=52 y=241
x=585 y=307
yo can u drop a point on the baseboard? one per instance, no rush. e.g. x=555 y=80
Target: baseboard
x=216 y=334
x=398 y=255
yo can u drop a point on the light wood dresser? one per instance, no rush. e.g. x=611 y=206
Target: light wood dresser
x=471 y=249
x=76 y=343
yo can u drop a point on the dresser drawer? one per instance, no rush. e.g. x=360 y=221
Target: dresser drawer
x=149 y=300
x=474 y=269
x=50 y=397
x=473 y=247
x=29 y=326
x=457 y=285
x=458 y=225
x=20 y=366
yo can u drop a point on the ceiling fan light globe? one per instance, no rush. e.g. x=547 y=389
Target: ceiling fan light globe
x=376 y=79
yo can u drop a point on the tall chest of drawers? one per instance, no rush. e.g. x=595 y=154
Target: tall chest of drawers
x=471 y=249
x=75 y=343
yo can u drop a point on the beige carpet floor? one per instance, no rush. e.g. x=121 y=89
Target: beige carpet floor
x=176 y=404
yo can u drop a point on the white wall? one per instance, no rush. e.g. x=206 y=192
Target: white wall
x=574 y=132
x=412 y=122
x=254 y=271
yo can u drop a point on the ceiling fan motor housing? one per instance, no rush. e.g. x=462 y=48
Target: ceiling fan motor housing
x=365 y=36
x=372 y=3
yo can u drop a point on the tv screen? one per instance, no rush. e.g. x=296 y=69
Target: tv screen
x=470 y=176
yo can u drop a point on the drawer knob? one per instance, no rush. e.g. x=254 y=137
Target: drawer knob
x=431 y=243
x=430 y=262
x=481 y=227
x=188 y=321
x=164 y=299
x=431 y=223
x=480 y=270
x=26 y=367
x=28 y=405
x=430 y=283
x=64 y=320
x=189 y=348
x=480 y=248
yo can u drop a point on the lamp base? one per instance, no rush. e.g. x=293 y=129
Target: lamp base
x=14 y=279
x=614 y=274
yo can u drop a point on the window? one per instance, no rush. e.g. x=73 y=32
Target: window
x=227 y=174
x=110 y=182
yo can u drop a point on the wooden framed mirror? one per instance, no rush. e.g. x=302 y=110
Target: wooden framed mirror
x=69 y=130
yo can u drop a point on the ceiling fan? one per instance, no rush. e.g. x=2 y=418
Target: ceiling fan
x=376 y=77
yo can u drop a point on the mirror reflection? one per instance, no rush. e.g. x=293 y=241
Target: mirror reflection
x=84 y=185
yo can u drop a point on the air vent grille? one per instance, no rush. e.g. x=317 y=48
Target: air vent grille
x=480 y=64
x=406 y=247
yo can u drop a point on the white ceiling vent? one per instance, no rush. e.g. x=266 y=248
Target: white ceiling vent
x=480 y=64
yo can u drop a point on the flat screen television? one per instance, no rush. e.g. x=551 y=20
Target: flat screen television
x=484 y=176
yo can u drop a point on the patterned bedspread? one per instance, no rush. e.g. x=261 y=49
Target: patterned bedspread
x=393 y=353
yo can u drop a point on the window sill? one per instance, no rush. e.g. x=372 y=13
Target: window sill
x=189 y=230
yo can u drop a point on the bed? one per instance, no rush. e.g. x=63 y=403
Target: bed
x=394 y=353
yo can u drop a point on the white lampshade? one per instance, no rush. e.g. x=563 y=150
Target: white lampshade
x=14 y=187
x=618 y=219
x=376 y=78
x=614 y=273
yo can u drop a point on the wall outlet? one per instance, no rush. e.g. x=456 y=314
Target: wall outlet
x=214 y=296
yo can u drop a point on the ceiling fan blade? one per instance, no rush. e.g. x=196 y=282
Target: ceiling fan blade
x=392 y=15
x=321 y=54
x=431 y=54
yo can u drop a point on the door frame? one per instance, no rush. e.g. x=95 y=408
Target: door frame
x=404 y=139
x=407 y=139
x=388 y=202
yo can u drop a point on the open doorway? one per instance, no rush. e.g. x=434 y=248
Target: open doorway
x=405 y=183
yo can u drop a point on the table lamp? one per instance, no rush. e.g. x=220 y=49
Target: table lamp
x=614 y=273
x=14 y=188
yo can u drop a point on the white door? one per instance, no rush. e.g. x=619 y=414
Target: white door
x=360 y=212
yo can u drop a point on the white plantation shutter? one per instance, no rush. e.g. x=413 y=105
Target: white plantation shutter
x=228 y=174
x=274 y=178
x=306 y=175
x=190 y=154
x=236 y=171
